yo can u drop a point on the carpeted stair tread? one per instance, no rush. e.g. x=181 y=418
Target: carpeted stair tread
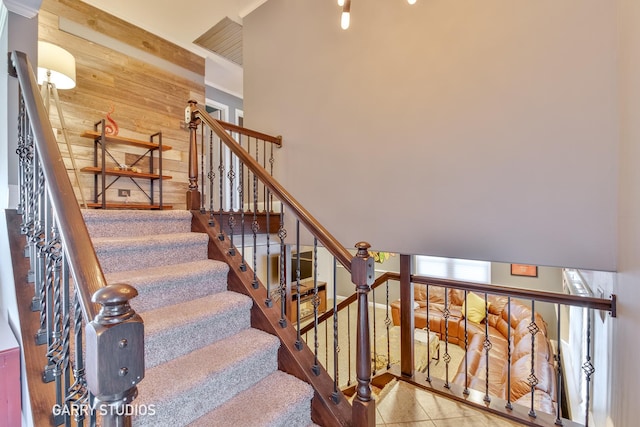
x=105 y=223
x=175 y=330
x=171 y=284
x=278 y=400
x=188 y=387
x=129 y=253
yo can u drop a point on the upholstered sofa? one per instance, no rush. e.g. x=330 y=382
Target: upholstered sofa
x=496 y=324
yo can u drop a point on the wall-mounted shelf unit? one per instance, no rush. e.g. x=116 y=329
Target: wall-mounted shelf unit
x=107 y=175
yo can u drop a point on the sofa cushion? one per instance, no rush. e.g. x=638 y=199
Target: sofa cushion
x=497 y=304
x=476 y=308
x=521 y=372
x=540 y=345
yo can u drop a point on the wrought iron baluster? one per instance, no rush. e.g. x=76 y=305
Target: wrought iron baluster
x=387 y=324
x=264 y=165
x=271 y=162
x=487 y=348
x=221 y=180
x=509 y=338
x=243 y=265
x=466 y=347
x=299 y=345
x=232 y=219
x=211 y=175
x=255 y=227
x=588 y=369
x=335 y=395
x=447 y=358
x=532 y=379
x=20 y=151
x=269 y=302
x=349 y=343
x=316 y=301
x=558 y=360
x=375 y=335
x=282 y=234
x=202 y=169
x=66 y=333
x=256 y=182
x=428 y=333
x=78 y=395
x=39 y=241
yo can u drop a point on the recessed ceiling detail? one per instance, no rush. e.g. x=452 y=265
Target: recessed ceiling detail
x=224 y=39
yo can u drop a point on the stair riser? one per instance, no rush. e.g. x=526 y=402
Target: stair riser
x=209 y=394
x=167 y=345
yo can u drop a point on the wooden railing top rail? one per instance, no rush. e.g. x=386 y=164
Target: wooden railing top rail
x=315 y=228
x=83 y=262
x=277 y=140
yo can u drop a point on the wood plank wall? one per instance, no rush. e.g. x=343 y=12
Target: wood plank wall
x=146 y=97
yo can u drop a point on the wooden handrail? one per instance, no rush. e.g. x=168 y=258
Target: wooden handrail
x=83 y=262
x=351 y=299
x=193 y=112
x=277 y=140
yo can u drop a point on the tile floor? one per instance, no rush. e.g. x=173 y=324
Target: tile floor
x=403 y=405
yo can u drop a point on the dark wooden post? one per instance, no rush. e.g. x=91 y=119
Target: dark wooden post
x=115 y=354
x=193 y=195
x=407 y=320
x=362 y=275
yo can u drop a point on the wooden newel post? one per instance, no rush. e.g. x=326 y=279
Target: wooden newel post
x=193 y=195
x=362 y=275
x=115 y=355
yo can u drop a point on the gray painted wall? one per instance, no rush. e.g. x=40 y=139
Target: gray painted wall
x=490 y=128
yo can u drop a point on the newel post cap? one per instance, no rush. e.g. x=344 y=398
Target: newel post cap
x=114 y=300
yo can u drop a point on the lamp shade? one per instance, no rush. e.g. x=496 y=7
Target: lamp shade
x=57 y=65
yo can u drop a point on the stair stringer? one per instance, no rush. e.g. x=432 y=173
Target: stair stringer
x=290 y=360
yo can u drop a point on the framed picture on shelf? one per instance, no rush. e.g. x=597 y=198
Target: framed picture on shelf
x=524 y=270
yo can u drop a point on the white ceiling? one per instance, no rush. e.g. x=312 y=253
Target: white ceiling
x=182 y=25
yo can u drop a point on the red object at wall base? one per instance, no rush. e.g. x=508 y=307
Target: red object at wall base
x=10 y=396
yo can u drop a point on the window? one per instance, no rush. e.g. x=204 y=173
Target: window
x=451 y=268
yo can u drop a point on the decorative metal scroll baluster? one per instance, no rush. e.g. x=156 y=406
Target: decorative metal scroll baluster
x=509 y=338
x=387 y=324
x=211 y=175
x=269 y=302
x=349 y=344
x=299 y=344
x=428 y=332
x=533 y=380
x=256 y=182
x=21 y=152
x=264 y=165
x=589 y=370
x=255 y=227
x=65 y=355
x=466 y=347
x=77 y=394
x=316 y=301
x=243 y=265
x=487 y=348
x=447 y=358
x=271 y=162
x=202 y=169
x=558 y=360
x=375 y=336
x=221 y=180
x=335 y=396
x=282 y=234
x=39 y=242
x=53 y=370
x=232 y=219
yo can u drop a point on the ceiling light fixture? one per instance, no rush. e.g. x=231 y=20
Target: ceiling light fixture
x=345 y=19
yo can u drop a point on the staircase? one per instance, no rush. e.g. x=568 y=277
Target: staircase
x=205 y=365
